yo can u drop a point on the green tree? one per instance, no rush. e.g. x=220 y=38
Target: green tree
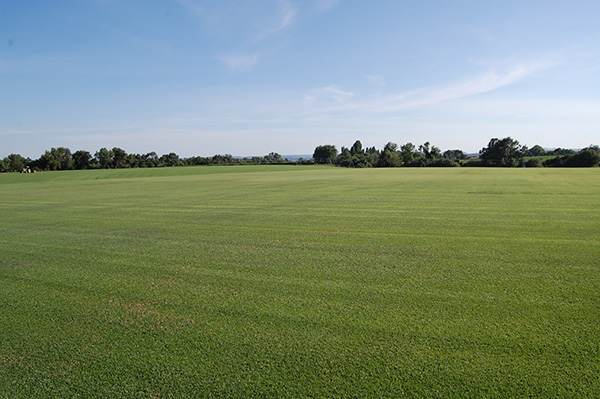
x=408 y=153
x=135 y=161
x=454 y=155
x=357 y=157
x=356 y=148
x=371 y=156
x=563 y=151
x=274 y=157
x=82 y=159
x=119 y=158
x=104 y=157
x=150 y=160
x=14 y=163
x=502 y=152
x=344 y=158
x=532 y=163
x=224 y=159
x=324 y=154
x=170 y=159
x=587 y=157
x=430 y=152
x=536 y=151
x=389 y=157
x=59 y=158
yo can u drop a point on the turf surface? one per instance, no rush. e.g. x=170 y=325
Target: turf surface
x=300 y=281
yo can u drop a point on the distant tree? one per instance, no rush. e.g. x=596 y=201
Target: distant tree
x=430 y=152
x=391 y=147
x=533 y=163
x=587 y=157
x=2 y=165
x=104 y=157
x=435 y=153
x=223 y=159
x=254 y=160
x=536 y=151
x=408 y=153
x=371 y=156
x=82 y=159
x=563 y=151
x=389 y=157
x=170 y=159
x=454 y=155
x=119 y=158
x=499 y=152
x=274 y=157
x=502 y=152
x=357 y=157
x=442 y=163
x=14 y=163
x=325 y=154
x=150 y=160
x=134 y=161
x=360 y=161
x=344 y=158
x=555 y=162
x=59 y=158
x=356 y=148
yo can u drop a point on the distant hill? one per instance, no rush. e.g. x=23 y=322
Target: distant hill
x=293 y=157
x=297 y=157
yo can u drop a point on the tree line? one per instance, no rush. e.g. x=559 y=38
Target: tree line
x=505 y=152
x=61 y=158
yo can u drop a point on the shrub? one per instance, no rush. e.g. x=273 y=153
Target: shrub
x=585 y=158
x=533 y=163
x=588 y=157
x=442 y=163
x=473 y=162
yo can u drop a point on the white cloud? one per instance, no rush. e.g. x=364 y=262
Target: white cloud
x=239 y=62
x=326 y=5
x=428 y=96
x=286 y=17
x=328 y=94
x=434 y=95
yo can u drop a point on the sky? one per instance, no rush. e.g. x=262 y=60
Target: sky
x=247 y=77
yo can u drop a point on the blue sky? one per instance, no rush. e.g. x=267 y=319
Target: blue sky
x=248 y=77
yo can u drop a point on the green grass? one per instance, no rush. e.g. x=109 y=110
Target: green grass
x=300 y=281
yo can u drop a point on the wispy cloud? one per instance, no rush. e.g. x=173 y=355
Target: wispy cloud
x=485 y=83
x=286 y=17
x=193 y=7
x=239 y=62
x=326 y=5
x=239 y=17
x=327 y=94
x=428 y=96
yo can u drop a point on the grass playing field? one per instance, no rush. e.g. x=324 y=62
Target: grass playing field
x=300 y=281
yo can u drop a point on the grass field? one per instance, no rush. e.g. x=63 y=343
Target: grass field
x=300 y=281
